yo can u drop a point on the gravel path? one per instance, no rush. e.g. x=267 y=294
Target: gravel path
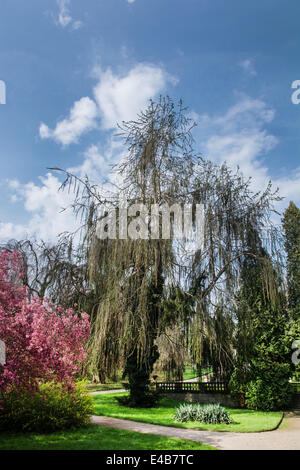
x=204 y=378
x=105 y=392
x=286 y=437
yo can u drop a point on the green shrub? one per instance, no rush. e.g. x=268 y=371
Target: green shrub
x=270 y=388
x=51 y=408
x=186 y=412
x=214 y=414
x=208 y=414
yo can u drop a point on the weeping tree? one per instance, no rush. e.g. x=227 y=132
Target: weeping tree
x=237 y=223
x=172 y=353
x=136 y=276
x=173 y=343
x=57 y=271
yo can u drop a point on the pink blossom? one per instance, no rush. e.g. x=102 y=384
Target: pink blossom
x=44 y=342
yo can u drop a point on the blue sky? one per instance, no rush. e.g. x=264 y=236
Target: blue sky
x=73 y=69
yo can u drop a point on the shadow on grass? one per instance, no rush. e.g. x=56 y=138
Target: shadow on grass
x=94 y=437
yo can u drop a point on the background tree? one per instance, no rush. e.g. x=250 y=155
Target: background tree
x=57 y=271
x=43 y=342
x=291 y=226
x=263 y=365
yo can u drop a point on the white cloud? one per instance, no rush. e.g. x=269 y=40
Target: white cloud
x=240 y=138
x=82 y=119
x=289 y=186
x=248 y=67
x=43 y=203
x=130 y=1
x=117 y=98
x=95 y=165
x=122 y=97
x=64 y=16
x=98 y=161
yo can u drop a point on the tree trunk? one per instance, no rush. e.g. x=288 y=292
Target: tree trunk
x=141 y=394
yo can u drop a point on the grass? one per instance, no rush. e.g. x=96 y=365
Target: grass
x=95 y=437
x=244 y=420
x=189 y=373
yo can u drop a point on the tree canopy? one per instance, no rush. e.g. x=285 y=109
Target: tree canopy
x=138 y=280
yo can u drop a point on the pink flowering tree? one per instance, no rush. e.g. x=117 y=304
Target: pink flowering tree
x=43 y=342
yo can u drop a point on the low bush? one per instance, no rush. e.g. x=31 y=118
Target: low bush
x=270 y=388
x=186 y=412
x=214 y=414
x=263 y=386
x=53 y=407
x=208 y=414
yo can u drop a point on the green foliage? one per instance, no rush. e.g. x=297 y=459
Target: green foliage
x=208 y=414
x=186 y=412
x=260 y=379
x=263 y=385
x=269 y=389
x=214 y=414
x=291 y=226
x=51 y=408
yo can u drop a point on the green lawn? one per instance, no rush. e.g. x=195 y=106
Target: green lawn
x=95 y=437
x=244 y=420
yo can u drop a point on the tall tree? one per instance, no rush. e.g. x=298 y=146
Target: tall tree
x=291 y=226
x=263 y=365
x=137 y=278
